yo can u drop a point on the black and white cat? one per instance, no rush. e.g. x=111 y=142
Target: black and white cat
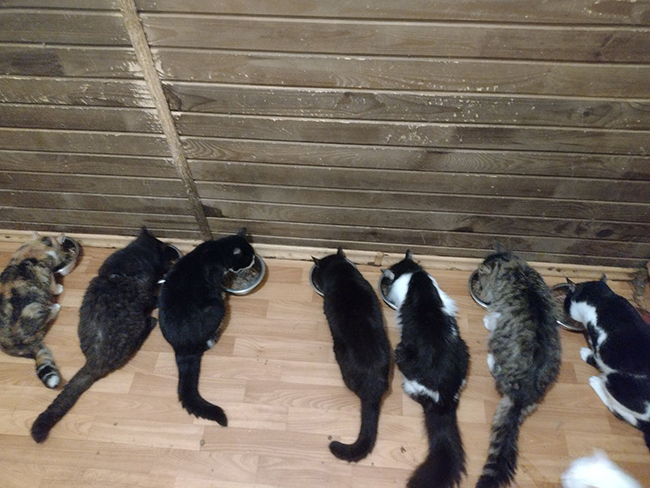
x=434 y=362
x=361 y=345
x=619 y=347
x=192 y=308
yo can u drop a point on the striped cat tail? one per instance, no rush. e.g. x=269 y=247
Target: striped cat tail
x=501 y=464
x=62 y=404
x=46 y=368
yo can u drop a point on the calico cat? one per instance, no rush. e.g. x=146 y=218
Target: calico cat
x=361 y=345
x=114 y=319
x=434 y=362
x=191 y=310
x=27 y=287
x=524 y=353
x=619 y=344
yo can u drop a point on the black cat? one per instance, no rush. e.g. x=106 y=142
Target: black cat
x=434 y=362
x=361 y=345
x=114 y=319
x=619 y=345
x=191 y=310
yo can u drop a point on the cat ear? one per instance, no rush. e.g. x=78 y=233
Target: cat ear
x=340 y=252
x=603 y=278
x=60 y=238
x=572 y=285
x=388 y=274
x=242 y=232
x=409 y=255
x=500 y=248
x=316 y=261
x=144 y=231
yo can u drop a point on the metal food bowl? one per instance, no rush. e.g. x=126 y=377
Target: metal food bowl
x=245 y=280
x=72 y=250
x=559 y=292
x=473 y=282
x=384 y=290
x=311 y=281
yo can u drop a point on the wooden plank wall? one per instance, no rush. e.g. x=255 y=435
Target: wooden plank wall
x=438 y=125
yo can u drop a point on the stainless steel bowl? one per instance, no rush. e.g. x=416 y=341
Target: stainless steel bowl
x=470 y=284
x=311 y=281
x=559 y=292
x=72 y=251
x=380 y=286
x=252 y=282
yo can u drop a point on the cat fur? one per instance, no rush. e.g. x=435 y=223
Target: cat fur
x=27 y=290
x=192 y=308
x=524 y=353
x=361 y=345
x=597 y=471
x=434 y=362
x=619 y=344
x=114 y=319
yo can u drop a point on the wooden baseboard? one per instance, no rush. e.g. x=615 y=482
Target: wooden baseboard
x=303 y=253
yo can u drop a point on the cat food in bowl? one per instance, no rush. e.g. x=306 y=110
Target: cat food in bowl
x=474 y=290
x=312 y=282
x=245 y=280
x=384 y=290
x=72 y=250
x=566 y=322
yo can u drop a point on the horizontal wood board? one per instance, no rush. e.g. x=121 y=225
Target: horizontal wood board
x=437 y=125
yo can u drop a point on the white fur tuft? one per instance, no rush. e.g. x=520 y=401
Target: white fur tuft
x=597 y=471
x=585 y=353
x=399 y=289
x=583 y=313
x=52 y=381
x=413 y=388
x=448 y=305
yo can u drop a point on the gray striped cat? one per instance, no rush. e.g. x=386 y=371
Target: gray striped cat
x=524 y=353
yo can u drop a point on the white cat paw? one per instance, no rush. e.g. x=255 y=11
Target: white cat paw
x=585 y=353
x=58 y=289
x=487 y=322
x=490 y=362
x=211 y=343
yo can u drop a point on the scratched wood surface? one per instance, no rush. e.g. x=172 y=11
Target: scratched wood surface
x=274 y=373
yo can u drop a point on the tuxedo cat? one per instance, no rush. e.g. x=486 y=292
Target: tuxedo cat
x=524 y=353
x=434 y=361
x=361 y=345
x=191 y=310
x=114 y=319
x=619 y=347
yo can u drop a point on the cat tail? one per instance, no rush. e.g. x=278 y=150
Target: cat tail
x=444 y=466
x=367 y=435
x=646 y=434
x=189 y=367
x=46 y=368
x=62 y=404
x=501 y=463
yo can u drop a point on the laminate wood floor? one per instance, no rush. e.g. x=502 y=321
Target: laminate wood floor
x=274 y=373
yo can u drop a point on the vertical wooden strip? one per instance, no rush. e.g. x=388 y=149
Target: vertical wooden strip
x=143 y=54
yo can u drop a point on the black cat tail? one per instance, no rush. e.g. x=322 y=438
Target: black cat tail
x=367 y=435
x=444 y=466
x=501 y=463
x=62 y=404
x=189 y=367
x=646 y=433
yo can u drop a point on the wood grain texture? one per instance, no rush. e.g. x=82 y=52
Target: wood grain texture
x=420 y=182
x=415 y=134
x=475 y=108
x=71 y=91
x=62 y=27
x=368 y=72
x=566 y=43
x=274 y=374
x=626 y=12
x=420 y=159
x=79 y=118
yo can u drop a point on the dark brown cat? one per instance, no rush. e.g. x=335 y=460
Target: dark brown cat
x=27 y=288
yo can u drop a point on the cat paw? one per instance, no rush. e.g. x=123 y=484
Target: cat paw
x=210 y=344
x=58 y=289
x=490 y=362
x=487 y=322
x=585 y=354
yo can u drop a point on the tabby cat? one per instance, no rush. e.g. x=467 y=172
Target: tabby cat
x=619 y=345
x=114 y=319
x=27 y=287
x=434 y=362
x=361 y=345
x=524 y=353
x=192 y=308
